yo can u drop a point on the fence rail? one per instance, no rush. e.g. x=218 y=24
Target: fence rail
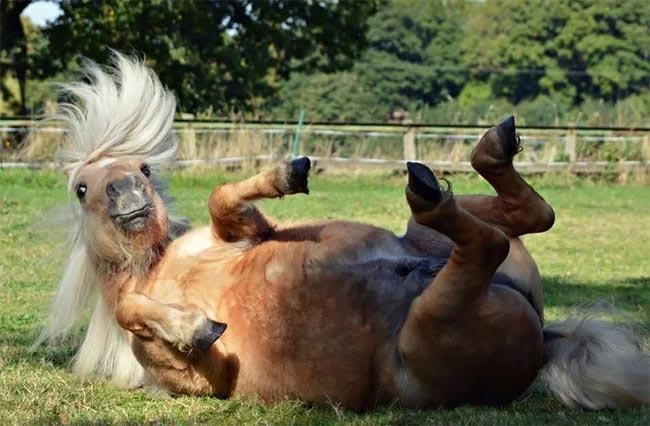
x=444 y=147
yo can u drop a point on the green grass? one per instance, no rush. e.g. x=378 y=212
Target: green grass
x=598 y=249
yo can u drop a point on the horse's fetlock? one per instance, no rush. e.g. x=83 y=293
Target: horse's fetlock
x=193 y=319
x=290 y=177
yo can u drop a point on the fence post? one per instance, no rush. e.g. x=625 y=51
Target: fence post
x=646 y=147
x=408 y=140
x=570 y=144
x=188 y=142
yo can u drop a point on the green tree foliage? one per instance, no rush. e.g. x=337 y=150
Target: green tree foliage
x=465 y=62
x=413 y=55
x=570 y=50
x=462 y=61
x=219 y=56
x=13 y=48
x=413 y=59
x=327 y=97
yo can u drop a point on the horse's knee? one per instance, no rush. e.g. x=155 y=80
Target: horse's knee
x=129 y=318
x=415 y=336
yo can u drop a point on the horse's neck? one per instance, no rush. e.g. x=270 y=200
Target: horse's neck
x=117 y=279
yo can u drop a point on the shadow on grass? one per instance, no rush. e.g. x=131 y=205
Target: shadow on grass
x=17 y=347
x=627 y=294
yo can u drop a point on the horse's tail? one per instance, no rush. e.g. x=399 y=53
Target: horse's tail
x=596 y=363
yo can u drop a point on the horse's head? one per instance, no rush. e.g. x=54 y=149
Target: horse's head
x=118 y=130
x=118 y=134
x=122 y=209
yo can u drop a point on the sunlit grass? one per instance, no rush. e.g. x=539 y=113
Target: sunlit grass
x=598 y=249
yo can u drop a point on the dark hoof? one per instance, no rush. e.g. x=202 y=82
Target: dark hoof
x=298 y=172
x=507 y=133
x=207 y=335
x=423 y=183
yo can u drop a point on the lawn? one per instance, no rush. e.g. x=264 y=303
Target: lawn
x=598 y=249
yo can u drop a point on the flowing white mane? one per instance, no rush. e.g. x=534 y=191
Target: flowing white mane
x=123 y=110
x=120 y=111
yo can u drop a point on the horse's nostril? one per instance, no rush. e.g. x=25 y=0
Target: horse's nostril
x=111 y=190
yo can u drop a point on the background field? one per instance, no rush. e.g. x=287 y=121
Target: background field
x=598 y=249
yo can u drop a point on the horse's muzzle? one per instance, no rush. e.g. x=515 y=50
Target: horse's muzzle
x=128 y=206
x=134 y=220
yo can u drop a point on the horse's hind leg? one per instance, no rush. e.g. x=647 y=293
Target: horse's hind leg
x=457 y=337
x=478 y=251
x=517 y=209
x=234 y=218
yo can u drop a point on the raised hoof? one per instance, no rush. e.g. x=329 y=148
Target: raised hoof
x=507 y=132
x=297 y=177
x=208 y=334
x=423 y=183
x=497 y=147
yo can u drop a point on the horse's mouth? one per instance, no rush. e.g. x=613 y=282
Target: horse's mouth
x=133 y=220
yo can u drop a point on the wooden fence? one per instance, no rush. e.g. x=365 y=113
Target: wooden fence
x=444 y=147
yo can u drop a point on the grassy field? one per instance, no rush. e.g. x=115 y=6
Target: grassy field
x=598 y=249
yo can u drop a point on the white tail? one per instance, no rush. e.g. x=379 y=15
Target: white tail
x=596 y=363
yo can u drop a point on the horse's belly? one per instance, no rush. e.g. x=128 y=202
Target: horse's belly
x=314 y=331
x=317 y=327
x=308 y=340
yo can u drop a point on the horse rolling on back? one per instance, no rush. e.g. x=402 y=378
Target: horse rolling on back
x=327 y=312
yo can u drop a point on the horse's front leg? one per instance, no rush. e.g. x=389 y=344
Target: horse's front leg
x=185 y=328
x=233 y=216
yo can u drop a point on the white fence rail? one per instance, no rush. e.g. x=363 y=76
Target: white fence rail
x=446 y=148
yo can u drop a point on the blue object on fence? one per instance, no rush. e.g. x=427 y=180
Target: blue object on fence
x=296 y=137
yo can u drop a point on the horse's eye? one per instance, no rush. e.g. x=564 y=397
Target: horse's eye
x=145 y=170
x=81 y=191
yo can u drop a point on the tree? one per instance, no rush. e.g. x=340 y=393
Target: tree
x=13 y=47
x=330 y=97
x=412 y=61
x=590 y=47
x=413 y=56
x=215 y=55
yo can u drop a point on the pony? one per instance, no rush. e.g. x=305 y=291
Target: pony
x=337 y=312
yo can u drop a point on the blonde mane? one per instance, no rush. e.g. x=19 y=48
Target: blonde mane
x=122 y=110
